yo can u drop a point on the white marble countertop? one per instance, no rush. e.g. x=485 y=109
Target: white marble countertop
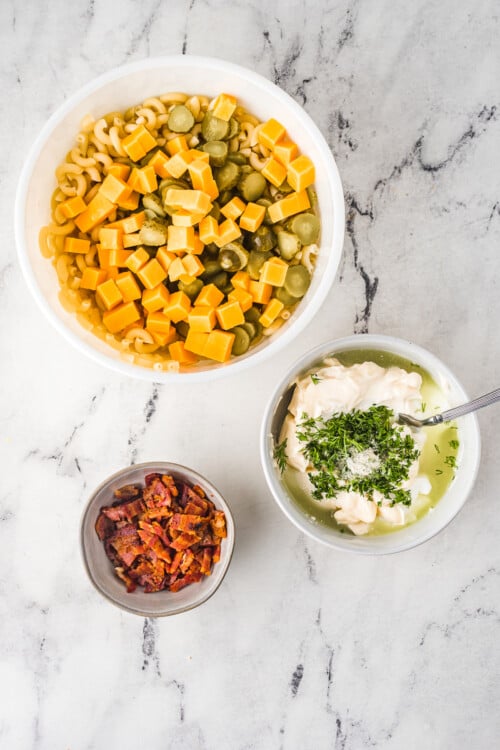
x=301 y=647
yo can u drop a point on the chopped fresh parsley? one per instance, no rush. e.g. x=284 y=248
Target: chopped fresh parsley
x=280 y=455
x=423 y=407
x=436 y=446
x=454 y=444
x=315 y=378
x=451 y=461
x=330 y=445
x=439 y=471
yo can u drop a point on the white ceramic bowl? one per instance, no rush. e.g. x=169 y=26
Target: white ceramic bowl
x=100 y=569
x=118 y=90
x=449 y=505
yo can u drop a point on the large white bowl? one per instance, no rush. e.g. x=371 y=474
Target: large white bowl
x=449 y=505
x=120 y=89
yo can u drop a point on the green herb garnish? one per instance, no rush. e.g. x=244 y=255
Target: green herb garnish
x=454 y=444
x=439 y=471
x=451 y=461
x=280 y=455
x=423 y=407
x=315 y=378
x=331 y=445
x=437 y=448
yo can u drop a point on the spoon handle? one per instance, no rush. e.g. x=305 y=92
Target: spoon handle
x=477 y=403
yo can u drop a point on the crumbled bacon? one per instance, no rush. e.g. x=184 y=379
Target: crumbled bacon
x=166 y=535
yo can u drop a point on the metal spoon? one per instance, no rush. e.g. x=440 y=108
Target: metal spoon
x=457 y=411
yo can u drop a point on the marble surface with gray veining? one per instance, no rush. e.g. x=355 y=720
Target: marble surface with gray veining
x=301 y=648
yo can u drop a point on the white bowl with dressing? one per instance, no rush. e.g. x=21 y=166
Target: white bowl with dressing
x=119 y=89
x=450 y=392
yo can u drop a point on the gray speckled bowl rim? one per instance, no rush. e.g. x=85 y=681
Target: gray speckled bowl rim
x=204 y=483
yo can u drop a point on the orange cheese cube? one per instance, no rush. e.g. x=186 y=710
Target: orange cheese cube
x=285 y=151
x=163 y=339
x=159 y=162
x=137 y=260
x=271 y=312
x=74 y=245
x=241 y=280
x=193 y=201
x=228 y=231
x=186 y=219
x=273 y=272
x=133 y=180
x=131 y=240
x=198 y=245
x=111 y=238
x=242 y=297
x=129 y=203
x=103 y=255
x=164 y=257
x=180 y=354
x=176 y=269
x=209 y=296
x=114 y=189
x=97 y=210
x=274 y=171
x=108 y=294
x=233 y=209
x=128 y=286
x=155 y=299
x=223 y=106
x=202 y=177
x=73 y=206
x=211 y=189
x=158 y=321
x=187 y=279
x=229 y=315
x=260 y=292
x=218 y=345
x=196 y=342
x=270 y=133
x=152 y=274
x=147 y=180
x=177 y=164
x=121 y=317
x=119 y=258
x=192 y=265
x=138 y=143
x=252 y=217
x=178 y=307
x=131 y=223
x=201 y=319
x=177 y=144
x=292 y=204
x=180 y=239
x=195 y=155
x=119 y=170
x=209 y=230
x=112 y=272
x=92 y=277
x=300 y=173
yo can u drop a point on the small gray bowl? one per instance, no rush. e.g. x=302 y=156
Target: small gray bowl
x=100 y=569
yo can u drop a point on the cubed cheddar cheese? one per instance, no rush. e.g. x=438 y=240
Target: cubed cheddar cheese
x=138 y=143
x=252 y=217
x=112 y=272
x=119 y=258
x=114 y=188
x=194 y=201
x=152 y=274
x=130 y=203
x=270 y=133
x=74 y=245
x=271 y=312
x=163 y=339
x=180 y=239
x=131 y=223
x=177 y=164
x=155 y=299
x=103 y=256
x=96 y=212
x=128 y=286
x=209 y=230
x=111 y=238
x=158 y=322
x=178 y=307
x=164 y=257
x=300 y=173
x=260 y=292
x=121 y=317
x=202 y=177
x=292 y=204
x=108 y=294
x=199 y=246
x=274 y=171
x=177 y=144
x=218 y=345
x=180 y=354
x=92 y=277
x=186 y=219
x=223 y=106
x=228 y=231
x=209 y=296
x=131 y=240
x=285 y=151
x=229 y=315
x=72 y=207
x=233 y=208
x=147 y=180
x=196 y=342
x=159 y=162
x=119 y=170
x=241 y=280
x=201 y=319
x=242 y=297
x=176 y=269
x=273 y=272
x=137 y=260
x=192 y=265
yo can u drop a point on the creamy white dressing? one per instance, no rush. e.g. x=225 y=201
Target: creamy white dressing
x=338 y=388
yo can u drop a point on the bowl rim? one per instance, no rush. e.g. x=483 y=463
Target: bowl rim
x=204 y=483
x=298 y=322
x=302 y=363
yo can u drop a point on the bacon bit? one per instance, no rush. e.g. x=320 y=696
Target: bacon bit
x=163 y=536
